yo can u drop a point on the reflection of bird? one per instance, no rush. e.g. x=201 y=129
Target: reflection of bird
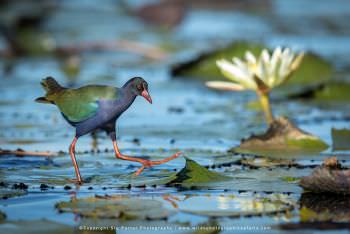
x=97 y=107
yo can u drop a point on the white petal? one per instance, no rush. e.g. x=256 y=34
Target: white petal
x=263 y=65
x=232 y=69
x=239 y=63
x=286 y=52
x=240 y=75
x=275 y=57
x=297 y=61
x=265 y=56
x=250 y=57
x=262 y=72
x=287 y=55
x=222 y=85
x=284 y=68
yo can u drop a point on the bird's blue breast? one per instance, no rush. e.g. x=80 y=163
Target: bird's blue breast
x=108 y=110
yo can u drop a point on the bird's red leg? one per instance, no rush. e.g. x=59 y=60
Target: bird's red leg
x=145 y=163
x=75 y=164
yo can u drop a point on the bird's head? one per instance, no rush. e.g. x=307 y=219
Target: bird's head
x=139 y=86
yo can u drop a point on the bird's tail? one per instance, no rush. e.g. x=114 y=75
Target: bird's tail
x=51 y=87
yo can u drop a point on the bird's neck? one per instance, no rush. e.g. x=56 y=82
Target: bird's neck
x=128 y=96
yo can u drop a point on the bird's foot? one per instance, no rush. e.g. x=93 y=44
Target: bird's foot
x=148 y=163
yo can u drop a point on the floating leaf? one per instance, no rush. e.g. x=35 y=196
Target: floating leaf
x=281 y=135
x=115 y=207
x=328 y=181
x=328 y=178
x=236 y=206
x=266 y=162
x=7 y=193
x=152 y=178
x=313 y=69
x=36 y=227
x=194 y=173
x=341 y=139
x=204 y=67
x=336 y=91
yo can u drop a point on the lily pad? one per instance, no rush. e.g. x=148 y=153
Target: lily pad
x=266 y=162
x=35 y=43
x=193 y=173
x=236 y=206
x=204 y=67
x=313 y=69
x=157 y=178
x=281 y=135
x=116 y=207
x=335 y=91
x=330 y=92
x=341 y=139
x=328 y=178
x=7 y=192
x=35 y=227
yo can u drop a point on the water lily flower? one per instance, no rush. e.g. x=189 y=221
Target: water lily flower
x=259 y=74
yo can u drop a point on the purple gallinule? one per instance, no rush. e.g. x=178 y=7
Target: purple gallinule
x=94 y=107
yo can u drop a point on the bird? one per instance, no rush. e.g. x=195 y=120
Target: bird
x=97 y=107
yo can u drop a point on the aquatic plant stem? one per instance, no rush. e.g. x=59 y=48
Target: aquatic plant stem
x=265 y=104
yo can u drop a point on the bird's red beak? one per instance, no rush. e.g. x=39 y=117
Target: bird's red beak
x=146 y=95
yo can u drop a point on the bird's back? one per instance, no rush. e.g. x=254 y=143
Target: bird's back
x=77 y=104
x=80 y=104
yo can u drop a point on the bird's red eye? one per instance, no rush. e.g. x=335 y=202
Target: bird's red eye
x=139 y=87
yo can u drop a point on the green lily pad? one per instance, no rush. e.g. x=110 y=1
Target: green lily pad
x=313 y=69
x=204 y=67
x=116 y=207
x=281 y=135
x=35 y=227
x=36 y=43
x=330 y=92
x=335 y=91
x=193 y=173
x=341 y=139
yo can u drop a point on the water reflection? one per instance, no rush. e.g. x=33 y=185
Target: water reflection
x=231 y=205
x=324 y=207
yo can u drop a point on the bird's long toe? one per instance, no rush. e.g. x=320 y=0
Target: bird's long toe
x=167 y=159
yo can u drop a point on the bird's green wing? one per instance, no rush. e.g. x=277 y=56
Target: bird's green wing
x=80 y=104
